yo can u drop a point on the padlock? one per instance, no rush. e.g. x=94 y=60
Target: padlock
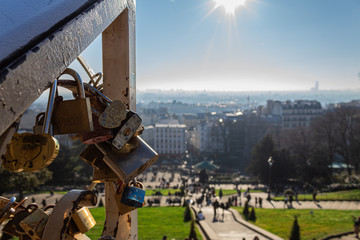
x=120 y=194
x=133 y=196
x=13 y=226
x=113 y=115
x=94 y=157
x=32 y=152
x=6 y=208
x=127 y=130
x=100 y=134
x=104 y=175
x=39 y=121
x=5 y=138
x=94 y=77
x=83 y=220
x=98 y=102
x=128 y=165
x=73 y=116
x=34 y=224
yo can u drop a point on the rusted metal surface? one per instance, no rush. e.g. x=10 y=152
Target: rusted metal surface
x=23 y=79
x=119 y=59
x=120 y=84
x=111 y=212
x=34 y=224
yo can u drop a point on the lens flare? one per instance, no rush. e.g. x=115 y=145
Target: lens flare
x=229 y=5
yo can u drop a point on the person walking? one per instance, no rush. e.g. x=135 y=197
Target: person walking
x=260 y=202
x=356 y=226
x=222 y=206
x=314 y=195
x=215 y=206
x=291 y=198
x=286 y=201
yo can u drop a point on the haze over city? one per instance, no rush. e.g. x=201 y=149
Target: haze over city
x=253 y=45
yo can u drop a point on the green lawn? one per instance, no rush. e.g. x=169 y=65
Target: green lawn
x=153 y=223
x=321 y=223
x=349 y=195
x=227 y=192
x=164 y=192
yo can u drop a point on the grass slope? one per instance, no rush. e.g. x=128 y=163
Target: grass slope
x=318 y=224
x=164 y=192
x=349 y=195
x=153 y=223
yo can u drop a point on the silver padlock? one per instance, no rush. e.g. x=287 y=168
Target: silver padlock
x=128 y=165
x=127 y=130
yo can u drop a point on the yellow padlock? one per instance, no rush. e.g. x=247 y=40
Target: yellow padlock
x=31 y=152
x=83 y=219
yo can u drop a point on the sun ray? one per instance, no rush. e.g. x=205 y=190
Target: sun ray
x=229 y=5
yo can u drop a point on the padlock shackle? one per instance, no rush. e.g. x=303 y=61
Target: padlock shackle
x=50 y=107
x=70 y=84
x=7 y=207
x=94 y=77
x=38 y=117
x=77 y=78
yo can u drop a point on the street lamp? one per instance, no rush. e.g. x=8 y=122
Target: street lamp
x=271 y=162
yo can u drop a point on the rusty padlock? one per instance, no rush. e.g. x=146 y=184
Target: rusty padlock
x=98 y=102
x=113 y=115
x=34 y=224
x=94 y=157
x=13 y=226
x=104 y=175
x=31 y=152
x=128 y=165
x=73 y=116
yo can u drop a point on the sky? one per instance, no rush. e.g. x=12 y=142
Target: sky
x=270 y=45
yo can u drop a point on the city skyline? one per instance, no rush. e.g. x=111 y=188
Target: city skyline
x=276 y=45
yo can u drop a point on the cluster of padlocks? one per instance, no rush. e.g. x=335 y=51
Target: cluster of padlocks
x=114 y=150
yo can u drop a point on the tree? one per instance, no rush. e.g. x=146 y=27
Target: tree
x=258 y=165
x=192 y=235
x=68 y=168
x=295 y=230
x=187 y=213
x=203 y=177
x=281 y=169
x=23 y=181
x=338 y=133
x=252 y=216
x=246 y=210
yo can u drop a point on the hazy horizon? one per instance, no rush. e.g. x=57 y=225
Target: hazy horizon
x=257 y=45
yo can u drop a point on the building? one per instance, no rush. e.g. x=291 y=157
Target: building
x=300 y=113
x=208 y=137
x=170 y=138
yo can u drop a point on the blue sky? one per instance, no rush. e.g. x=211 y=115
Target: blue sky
x=265 y=45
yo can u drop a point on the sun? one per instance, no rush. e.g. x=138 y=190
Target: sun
x=229 y=5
